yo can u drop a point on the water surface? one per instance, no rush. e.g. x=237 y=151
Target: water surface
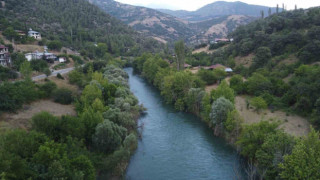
x=176 y=145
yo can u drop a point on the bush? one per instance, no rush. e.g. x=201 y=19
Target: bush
x=63 y=96
x=259 y=103
x=39 y=65
x=55 y=45
x=47 y=88
x=207 y=76
x=59 y=76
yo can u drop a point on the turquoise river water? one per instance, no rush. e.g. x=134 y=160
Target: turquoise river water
x=176 y=145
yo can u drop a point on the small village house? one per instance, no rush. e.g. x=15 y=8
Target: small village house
x=36 y=35
x=62 y=59
x=5 y=59
x=50 y=57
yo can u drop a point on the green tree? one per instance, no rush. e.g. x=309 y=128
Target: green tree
x=225 y=91
x=219 y=113
x=194 y=100
x=233 y=123
x=25 y=70
x=17 y=60
x=90 y=93
x=108 y=136
x=63 y=96
x=179 y=49
x=219 y=73
x=304 y=162
x=207 y=76
x=263 y=55
x=55 y=45
x=271 y=154
x=259 y=103
x=258 y=84
x=253 y=136
x=237 y=84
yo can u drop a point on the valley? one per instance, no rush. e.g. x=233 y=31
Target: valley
x=98 y=89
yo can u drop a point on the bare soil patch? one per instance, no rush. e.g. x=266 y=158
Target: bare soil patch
x=292 y=124
x=21 y=119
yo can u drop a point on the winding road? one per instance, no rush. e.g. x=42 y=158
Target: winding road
x=54 y=73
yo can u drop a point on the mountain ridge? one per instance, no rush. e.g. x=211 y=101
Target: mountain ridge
x=220 y=8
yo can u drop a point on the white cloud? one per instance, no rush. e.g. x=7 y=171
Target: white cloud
x=196 y=4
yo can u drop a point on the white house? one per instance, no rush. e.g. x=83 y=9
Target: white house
x=62 y=59
x=40 y=55
x=36 y=35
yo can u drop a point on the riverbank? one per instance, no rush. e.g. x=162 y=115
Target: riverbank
x=218 y=109
x=176 y=145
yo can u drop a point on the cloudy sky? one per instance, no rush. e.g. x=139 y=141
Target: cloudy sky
x=196 y=4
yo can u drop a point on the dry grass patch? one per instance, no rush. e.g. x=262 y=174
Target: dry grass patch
x=292 y=124
x=246 y=61
x=21 y=119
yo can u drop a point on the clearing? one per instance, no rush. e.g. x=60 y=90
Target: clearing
x=292 y=124
x=21 y=119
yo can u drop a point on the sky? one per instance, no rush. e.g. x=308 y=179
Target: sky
x=192 y=5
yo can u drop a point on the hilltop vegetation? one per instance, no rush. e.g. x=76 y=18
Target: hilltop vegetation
x=76 y=24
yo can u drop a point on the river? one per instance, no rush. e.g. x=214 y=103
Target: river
x=176 y=145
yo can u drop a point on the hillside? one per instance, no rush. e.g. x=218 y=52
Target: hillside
x=160 y=26
x=217 y=27
x=77 y=23
x=220 y=8
x=279 y=55
x=166 y=28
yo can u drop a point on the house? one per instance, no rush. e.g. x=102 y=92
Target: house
x=50 y=57
x=5 y=59
x=219 y=66
x=62 y=59
x=36 y=35
x=215 y=66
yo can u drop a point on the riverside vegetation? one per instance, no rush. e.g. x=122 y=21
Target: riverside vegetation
x=270 y=152
x=98 y=141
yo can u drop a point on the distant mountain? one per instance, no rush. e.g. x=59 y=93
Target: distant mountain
x=220 y=8
x=158 y=25
x=218 y=27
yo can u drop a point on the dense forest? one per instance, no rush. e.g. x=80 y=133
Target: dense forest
x=76 y=24
x=98 y=141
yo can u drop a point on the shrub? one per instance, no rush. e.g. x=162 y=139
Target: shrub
x=259 y=103
x=47 y=88
x=108 y=136
x=63 y=96
x=59 y=76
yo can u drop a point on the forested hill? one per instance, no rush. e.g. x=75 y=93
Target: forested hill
x=153 y=23
x=166 y=28
x=221 y=8
x=76 y=23
x=280 y=55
